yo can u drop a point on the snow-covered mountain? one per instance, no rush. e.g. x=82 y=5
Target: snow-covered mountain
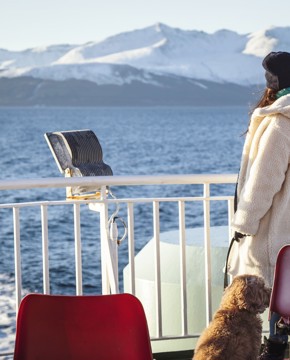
x=159 y=50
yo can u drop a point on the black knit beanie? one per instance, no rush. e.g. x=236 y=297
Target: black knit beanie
x=277 y=66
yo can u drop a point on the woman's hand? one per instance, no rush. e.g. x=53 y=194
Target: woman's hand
x=238 y=236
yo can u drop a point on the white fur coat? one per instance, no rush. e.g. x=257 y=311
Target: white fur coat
x=263 y=192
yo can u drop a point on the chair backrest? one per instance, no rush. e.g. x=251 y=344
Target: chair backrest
x=280 y=297
x=78 y=153
x=78 y=149
x=105 y=327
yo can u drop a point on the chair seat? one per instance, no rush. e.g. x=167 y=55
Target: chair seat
x=55 y=327
x=280 y=298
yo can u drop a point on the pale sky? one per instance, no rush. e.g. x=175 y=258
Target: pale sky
x=31 y=23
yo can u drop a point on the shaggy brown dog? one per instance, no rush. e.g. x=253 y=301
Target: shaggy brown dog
x=236 y=329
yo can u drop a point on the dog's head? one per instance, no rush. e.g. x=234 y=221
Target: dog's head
x=247 y=292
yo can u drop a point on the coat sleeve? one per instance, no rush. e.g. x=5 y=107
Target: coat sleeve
x=264 y=180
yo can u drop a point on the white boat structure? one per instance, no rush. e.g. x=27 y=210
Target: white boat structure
x=178 y=275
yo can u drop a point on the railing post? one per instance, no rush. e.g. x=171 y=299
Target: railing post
x=131 y=242
x=156 y=225
x=109 y=250
x=17 y=257
x=183 y=288
x=231 y=212
x=78 y=250
x=45 y=259
x=207 y=253
x=230 y=215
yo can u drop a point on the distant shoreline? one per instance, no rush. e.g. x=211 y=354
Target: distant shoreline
x=171 y=91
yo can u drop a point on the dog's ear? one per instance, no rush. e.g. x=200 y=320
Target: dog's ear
x=257 y=296
x=234 y=295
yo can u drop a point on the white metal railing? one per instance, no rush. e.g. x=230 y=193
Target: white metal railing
x=109 y=251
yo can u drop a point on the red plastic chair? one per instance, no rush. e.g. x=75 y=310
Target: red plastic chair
x=280 y=297
x=105 y=327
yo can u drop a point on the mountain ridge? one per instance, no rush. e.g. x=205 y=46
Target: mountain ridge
x=150 y=56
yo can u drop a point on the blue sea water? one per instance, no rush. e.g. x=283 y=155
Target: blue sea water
x=135 y=141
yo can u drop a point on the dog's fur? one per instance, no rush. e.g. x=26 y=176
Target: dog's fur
x=236 y=329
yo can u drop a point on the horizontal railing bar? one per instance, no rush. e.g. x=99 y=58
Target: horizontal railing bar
x=113 y=201
x=175 y=337
x=173 y=199
x=188 y=336
x=99 y=181
x=6 y=354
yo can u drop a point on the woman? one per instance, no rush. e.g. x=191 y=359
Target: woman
x=262 y=219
